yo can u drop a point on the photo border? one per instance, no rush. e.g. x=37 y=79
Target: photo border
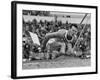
x=14 y=38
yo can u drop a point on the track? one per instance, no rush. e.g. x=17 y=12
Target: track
x=62 y=61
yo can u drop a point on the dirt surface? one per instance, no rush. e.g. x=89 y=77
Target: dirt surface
x=62 y=61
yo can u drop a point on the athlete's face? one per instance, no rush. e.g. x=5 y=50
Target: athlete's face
x=73 y=30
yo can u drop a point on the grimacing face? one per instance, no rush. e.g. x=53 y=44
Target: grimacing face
x=74 y=30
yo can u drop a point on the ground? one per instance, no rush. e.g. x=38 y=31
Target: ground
x=62 y=61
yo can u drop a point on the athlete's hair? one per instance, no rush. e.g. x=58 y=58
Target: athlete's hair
x=75 y=25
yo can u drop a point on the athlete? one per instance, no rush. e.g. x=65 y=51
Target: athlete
x=62 y=34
